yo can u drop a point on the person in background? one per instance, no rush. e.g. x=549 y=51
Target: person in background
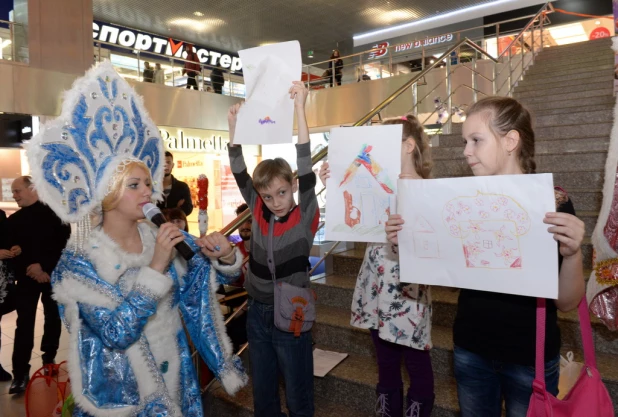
x=192 y=67
x=159 y=74
x=6 y=304
x=176 y=194
x=148 y=73
x=336 y=67
x=39 y=236
x=177 y=217
x=217 y=80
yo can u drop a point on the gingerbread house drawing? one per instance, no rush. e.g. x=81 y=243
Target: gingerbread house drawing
x=490 y=227
x=368 y=193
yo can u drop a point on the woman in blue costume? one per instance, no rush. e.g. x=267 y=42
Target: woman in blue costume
x=122 y=289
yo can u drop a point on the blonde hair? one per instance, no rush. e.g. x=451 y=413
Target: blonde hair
x=268 y=170
x=118 y=182
x=504 y=114
x=412 y=128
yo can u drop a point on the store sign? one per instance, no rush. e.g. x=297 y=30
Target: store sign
x=380 y=53
x=431 y=41
x=406 y=46
x=181 y=142
x=141 y=41
x=600 y=33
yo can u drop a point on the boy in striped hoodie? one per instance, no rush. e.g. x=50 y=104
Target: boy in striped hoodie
x=271 y=193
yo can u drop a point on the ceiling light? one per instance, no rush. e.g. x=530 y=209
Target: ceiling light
x=431 y=61
x=598 y=22
x=196 y=24
x=430 y=19
x=383 y=16
x=198 y=14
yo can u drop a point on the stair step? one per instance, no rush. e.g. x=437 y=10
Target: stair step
x=596 y=128
x=562 y=104
x=600 y=85
x=558 y=162
x=584 y=76
x=542 y=98
x=218 y=403
x=523 y=86
x=553 y=76
x=566 y=59
x=580 y=47
x=451 y=146
x=542 y=67
x=574 y=109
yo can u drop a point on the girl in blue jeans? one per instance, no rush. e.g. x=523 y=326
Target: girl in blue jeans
x=494 y=334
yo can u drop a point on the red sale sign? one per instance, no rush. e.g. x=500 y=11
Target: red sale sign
x=599 y=33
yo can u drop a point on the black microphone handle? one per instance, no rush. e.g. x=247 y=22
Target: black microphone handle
x=183 y=249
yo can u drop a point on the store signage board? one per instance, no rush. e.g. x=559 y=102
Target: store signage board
x=147 y=42
x=407 y=46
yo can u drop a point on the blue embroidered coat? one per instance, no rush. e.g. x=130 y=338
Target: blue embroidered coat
x=129 y=355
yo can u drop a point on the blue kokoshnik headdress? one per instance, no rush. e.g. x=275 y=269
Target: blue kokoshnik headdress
x=103 y=125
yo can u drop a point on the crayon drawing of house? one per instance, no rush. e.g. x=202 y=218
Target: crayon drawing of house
x=368 y=195
x=490 y=227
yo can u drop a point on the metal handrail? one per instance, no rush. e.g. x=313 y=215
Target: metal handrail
x=541 y=12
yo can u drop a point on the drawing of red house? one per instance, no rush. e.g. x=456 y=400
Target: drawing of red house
x=367 y=190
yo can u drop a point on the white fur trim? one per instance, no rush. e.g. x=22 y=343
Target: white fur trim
x=232 y=381
x=156 y=282
x=602 y=248
x=110 y=260
x=229 y=269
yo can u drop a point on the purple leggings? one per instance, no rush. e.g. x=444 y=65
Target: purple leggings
x=418 y=365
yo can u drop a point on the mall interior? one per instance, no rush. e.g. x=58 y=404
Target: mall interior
x=430 y=59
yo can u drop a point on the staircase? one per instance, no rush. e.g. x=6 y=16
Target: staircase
x=570 y=93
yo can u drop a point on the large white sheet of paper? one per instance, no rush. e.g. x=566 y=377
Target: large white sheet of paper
x=325 y=360
x=267 y=116
x=482 y=233
x=365 y=163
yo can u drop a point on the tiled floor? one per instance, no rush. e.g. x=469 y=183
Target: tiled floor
x=11 y=405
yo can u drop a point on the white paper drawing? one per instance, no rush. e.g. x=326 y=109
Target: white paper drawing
x=365 y=163
x=267 y=116
x=484 y=233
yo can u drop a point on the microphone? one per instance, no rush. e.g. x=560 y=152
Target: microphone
x=153 y=214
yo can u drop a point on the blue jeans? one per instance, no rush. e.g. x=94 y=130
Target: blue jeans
x=272 y=352
x=483 y=383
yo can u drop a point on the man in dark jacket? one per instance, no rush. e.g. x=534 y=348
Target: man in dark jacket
x=6 y=305
x=217 y=80
x=40 y=237
x=175 y=193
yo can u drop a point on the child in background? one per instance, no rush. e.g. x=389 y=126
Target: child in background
x=397 y=315
x=270 y=193
x=495 y=334
x=178 y=217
